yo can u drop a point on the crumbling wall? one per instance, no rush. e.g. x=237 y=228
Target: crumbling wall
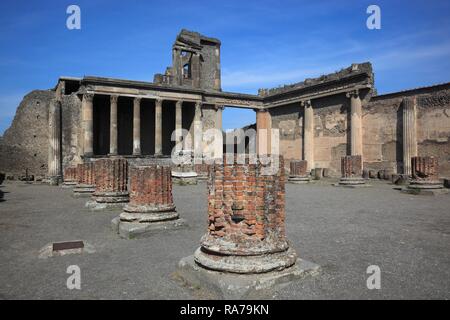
x=25 y=144
x=383 y=128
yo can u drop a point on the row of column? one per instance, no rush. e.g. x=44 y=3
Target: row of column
x=356 y=145
x=87 y=112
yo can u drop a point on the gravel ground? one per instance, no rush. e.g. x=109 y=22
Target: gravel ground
x=343 y=230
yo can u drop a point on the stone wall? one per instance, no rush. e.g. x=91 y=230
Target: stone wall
x=25 y=144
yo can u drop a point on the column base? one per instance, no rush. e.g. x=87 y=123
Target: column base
x=135 y=229
x=54 y=181
x=107 y=200
x=69 y=184
x=299 y=179
x=83 y=190
x=222 y=285
x=245 y=264
x=354 y=182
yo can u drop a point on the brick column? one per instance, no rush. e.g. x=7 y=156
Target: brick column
x=111 y=176
x=351 y=170
x=88 y=124
x=246 y=219
x=151 y=202
x=137 y=126
x=69 y=176
x=425 y=173
x=299 y=171
x=54 y=146
x=308 y=134
x=86 y=180
x=158 y=127
x=409 y=134
x=355 y=123
x=113 y=126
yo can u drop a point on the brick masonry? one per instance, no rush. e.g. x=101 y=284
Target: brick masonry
x=351 y=166
x=111 y=180
x=425 y=168
x=298 y=168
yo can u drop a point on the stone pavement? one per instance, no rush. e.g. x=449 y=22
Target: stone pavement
x=343 y=230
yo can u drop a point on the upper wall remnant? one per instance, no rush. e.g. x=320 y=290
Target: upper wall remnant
x=195 y=62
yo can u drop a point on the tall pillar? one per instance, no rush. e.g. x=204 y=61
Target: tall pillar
x=88 y=124
x=218 y=141
x=178 y=124
x=113 y=126
x=158 y=127
x=409 y=133
x=137 y=126
x=355 y=123
x=198 y=132
x=308 y=134
x=263 y=131
x=54 y=135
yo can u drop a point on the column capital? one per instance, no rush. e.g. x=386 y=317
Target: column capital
x=306 y=103
x=261 y=110
x=218 y=107
x=113 y=98
x=352 y=94
x=159 y=100
x=88 y=97
x=137 y=100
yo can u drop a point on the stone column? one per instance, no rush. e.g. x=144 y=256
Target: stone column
x=151 y=204
x=308 y=134
x=158 y=127
x=86 y=180
x=88 y=124
x=178 y=124
x=54 y=147
x=218 y=141
x=111 y=177
x=355 y=123
x=113 y=126
x=198 y=135
x=425 y=173
x=409 y=134
x=137 y=126
x=263 y=132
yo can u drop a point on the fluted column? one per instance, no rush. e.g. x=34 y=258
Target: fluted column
x=178 y=124
x=409 y=133
x=88 y=124
x=113 y=126
x=54 y=135
x=355 y=123
x=308 y=134
x=137 y=126
x=158 y=127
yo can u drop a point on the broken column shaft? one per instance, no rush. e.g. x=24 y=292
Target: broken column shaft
x=351 y=170
x=425 y=173
x=298 y=172
x=246 y=218
x=151 y=202
x=111 y=184
x=86 y=180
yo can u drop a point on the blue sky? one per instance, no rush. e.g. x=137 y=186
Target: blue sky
x=265 y=43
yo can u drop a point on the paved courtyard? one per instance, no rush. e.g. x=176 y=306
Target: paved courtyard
x=342 y=230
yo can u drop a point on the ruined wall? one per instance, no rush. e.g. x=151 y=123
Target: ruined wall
x=25 y=143
x=383 y=123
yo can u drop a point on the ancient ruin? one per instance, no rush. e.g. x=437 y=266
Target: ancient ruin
x=299 y=172
x=111 y=179
x=85 y=174
x=151 y=204
x=246 y=223
x=319 y=120
x=351 y=169
x=70 y=177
